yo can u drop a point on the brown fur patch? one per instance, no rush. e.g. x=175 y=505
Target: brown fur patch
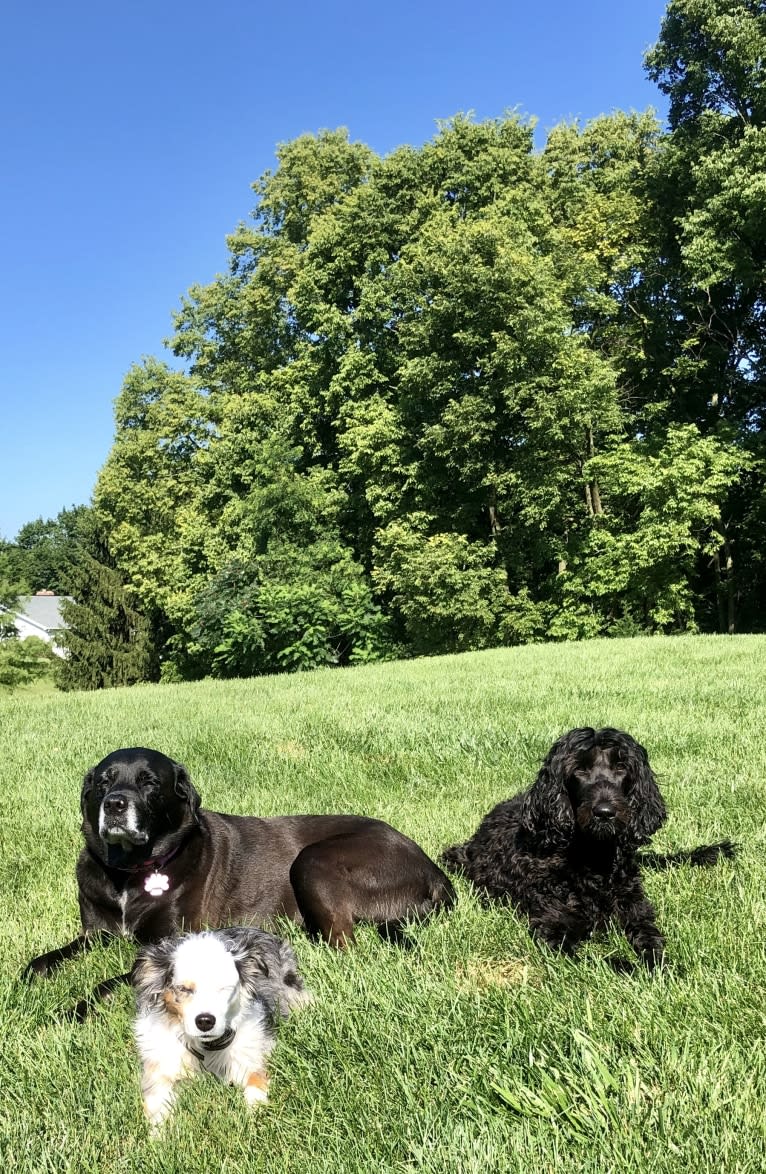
x=175 y=999
x=258 y=1080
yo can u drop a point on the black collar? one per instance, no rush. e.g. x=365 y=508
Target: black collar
x=213 y=1045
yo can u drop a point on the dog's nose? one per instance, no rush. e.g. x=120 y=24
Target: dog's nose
x=603 y=809
x=205 y=1022
x=115 y=804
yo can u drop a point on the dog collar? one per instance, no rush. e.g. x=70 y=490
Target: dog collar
x=214 y=1045
x=223 y=1041
x=156 y=882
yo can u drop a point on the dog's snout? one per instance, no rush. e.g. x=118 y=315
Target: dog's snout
x=604 y=809
x=115 y=804
x=205 y=1022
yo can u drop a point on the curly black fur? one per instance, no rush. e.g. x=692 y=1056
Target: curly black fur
x=566 y=852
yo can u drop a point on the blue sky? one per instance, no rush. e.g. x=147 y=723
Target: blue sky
x=132 y=133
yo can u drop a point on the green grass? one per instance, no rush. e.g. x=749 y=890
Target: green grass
x=475 y=1050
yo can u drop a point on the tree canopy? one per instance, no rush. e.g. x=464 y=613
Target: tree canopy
x=466 y=394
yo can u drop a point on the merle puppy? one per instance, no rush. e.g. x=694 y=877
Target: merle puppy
x=565 y=852
x=155 y=863
x=208 y=1002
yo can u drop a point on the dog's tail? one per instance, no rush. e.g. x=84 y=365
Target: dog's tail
x=702 y=857
x=455 y=858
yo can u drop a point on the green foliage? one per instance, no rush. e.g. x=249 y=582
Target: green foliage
x=709 y=60
x=445 y=588
x=708 y=192
x=663 y=514
x=107 y=640
x=293 y=609
x=43 y=550
x=10 y=590
x=468 y=393
x=24 y=661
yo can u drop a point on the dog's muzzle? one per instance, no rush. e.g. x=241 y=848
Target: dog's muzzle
x=117 y=820
x=601 y=820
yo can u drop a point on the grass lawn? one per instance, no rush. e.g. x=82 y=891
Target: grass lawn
x=475 y=1051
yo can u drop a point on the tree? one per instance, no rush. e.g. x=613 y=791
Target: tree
x=107 y=639
x=21 y=661
x=10 y=589
x=44 y=549
x=465 y=394
x=709 y=197
x=24 y=661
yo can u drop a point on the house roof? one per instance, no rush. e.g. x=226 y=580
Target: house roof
x=43 y=610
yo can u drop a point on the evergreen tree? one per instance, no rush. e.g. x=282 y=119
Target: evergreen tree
x=107 y=639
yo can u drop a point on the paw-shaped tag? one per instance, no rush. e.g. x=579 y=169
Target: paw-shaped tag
x=156 y=884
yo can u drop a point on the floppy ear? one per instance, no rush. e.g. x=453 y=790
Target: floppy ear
x=293 y=993
x=183 y=785
x=547 y=811
x=252 y=968
x=152 y=973
x=647 y=809
x=87 y=784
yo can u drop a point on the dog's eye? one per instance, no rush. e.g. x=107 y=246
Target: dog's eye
x=184 y=990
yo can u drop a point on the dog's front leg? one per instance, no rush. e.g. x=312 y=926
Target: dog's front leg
x=637 y=918
x=44 y=964
x=158 y=1083
x=556 y=927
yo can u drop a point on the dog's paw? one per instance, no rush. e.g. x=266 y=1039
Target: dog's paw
x=37 y=968
x=621 y=965
x=256 y=1089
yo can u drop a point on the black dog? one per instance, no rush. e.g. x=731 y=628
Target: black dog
x=565 y=852
x=154 y=863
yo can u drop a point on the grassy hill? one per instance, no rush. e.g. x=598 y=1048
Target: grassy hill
x=475 y=1050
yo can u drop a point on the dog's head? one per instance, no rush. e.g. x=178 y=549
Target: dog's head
x=207 y=981
x=135 y=803
x=597 y=783
x=195 y=981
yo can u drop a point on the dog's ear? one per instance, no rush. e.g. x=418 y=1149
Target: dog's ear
x=647 y=809
x=183 y=786
x=252 y=968
x=152 y=973
x=87 y=784
x=547 y=811
x=293 y=993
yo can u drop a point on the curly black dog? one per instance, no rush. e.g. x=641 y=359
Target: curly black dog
x=565 y=852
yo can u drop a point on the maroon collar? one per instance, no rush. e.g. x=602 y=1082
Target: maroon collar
x=153 y=864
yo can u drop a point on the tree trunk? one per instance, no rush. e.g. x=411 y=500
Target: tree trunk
x=719 y=596
x=729 y=563
x=593 y=496
x=723 y=564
